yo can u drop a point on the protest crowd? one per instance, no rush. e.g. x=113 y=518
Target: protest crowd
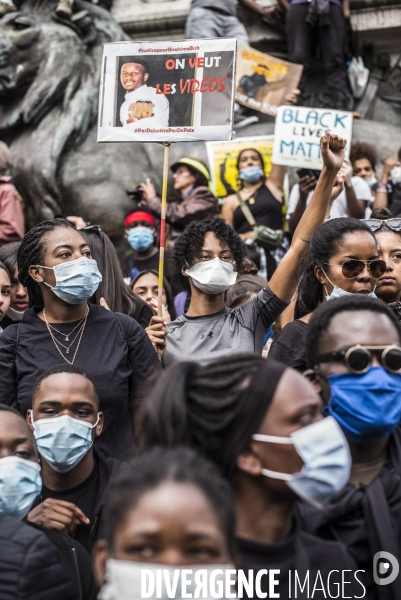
x=254 y=422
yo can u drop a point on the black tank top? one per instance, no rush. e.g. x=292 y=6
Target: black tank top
x=266 y=211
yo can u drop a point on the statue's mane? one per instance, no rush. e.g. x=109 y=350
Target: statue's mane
x=60 y=106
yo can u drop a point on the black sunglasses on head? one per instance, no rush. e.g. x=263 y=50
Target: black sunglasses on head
x=358 y=359
x=353 y=267
x=95 y=228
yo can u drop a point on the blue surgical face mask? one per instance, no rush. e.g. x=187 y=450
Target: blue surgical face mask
x=366 y=406
x=63 y=441
x=251 y=174
x=339 y=292
x=20 y=484
x=326 y=457
x=76 y=280
x=140 y=238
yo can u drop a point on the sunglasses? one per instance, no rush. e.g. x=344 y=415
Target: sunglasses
x=358 y=359
x=95 y=228
x=353 y=267
x=375 y=224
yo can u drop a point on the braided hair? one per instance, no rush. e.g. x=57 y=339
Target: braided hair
x=152 y=469
x=194 y=405
x=30 y=253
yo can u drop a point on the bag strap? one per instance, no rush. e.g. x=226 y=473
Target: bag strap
x=120 y=326
x=246 y=211
x=17 y=338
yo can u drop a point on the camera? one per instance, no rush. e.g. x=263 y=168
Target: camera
x=135 y=193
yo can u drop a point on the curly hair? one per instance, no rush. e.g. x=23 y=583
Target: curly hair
x=189 y=245
x=360 y=150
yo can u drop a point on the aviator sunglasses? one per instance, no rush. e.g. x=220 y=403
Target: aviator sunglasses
x=354 y=267
x=358 y=359
x=375 y=224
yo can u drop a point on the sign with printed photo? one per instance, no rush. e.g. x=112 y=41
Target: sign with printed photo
x=167 y=91
x=223 y=156
x=298 y=131
x=263 y=81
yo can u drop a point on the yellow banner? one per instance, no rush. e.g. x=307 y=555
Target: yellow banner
x=223 y=156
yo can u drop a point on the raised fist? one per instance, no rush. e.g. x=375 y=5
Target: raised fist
x=140 y=110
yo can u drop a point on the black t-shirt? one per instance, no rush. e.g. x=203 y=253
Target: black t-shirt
x=131 y=266
x=117 y=353
x=85 y=497
x=321 y=556
x=288 y=345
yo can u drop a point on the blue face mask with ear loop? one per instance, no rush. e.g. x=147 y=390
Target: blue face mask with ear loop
x=20 y=484
x=76 y=280
x=140 y=238
x=325 y=453
x=339 y=292
x=366 y=406
x=251 y=174
x=63 y=441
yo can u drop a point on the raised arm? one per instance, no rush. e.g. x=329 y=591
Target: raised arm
x=283 y=283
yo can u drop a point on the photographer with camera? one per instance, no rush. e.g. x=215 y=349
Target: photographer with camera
x=191 y=179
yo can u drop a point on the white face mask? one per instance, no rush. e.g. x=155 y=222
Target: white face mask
x=326 y=456
x=212 y=276
x=371 y=181
x=15 y=315
x=125 y=579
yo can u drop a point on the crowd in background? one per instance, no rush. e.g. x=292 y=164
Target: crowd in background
x=255 y=424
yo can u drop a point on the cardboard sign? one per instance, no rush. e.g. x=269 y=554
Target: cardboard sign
x=223 y=156
x=263 y=81
x=167 y=91
x=298 y=131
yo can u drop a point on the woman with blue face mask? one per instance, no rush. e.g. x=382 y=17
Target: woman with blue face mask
x=264 y=198
x=56 y=266
x=353 y=351
x=342 y=260
x=261 y=423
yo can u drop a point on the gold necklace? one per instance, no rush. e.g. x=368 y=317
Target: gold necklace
x=67 y=337
x=67 y=348
x=55 y=342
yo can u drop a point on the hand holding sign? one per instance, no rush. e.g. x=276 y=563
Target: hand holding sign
x=140 y=110
x=332 y=149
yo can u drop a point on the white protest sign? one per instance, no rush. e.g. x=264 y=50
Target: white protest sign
x=298 y=131
x=167 y=91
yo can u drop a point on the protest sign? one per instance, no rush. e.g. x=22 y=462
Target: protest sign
x=263 y=81
x=223 y=156
x=167 y=91
x=298 y=131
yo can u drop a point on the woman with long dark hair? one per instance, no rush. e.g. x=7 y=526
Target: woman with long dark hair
x=19 y=301
x=117 y=294
x=56 y=266
x=342 y=259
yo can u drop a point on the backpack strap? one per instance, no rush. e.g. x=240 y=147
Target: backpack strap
x=17 y=337
x=120 y=326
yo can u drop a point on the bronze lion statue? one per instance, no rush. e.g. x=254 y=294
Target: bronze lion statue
x=49 y=87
